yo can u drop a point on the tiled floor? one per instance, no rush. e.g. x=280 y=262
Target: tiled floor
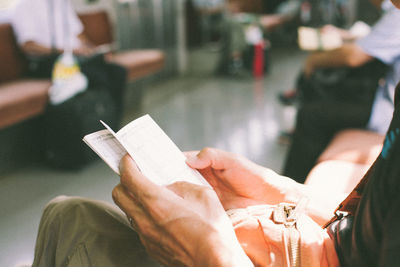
x=195 y=110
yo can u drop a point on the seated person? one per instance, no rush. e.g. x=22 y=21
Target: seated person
x=45 y=28
x=239 y=24
x=319 y=120
x=186 y=225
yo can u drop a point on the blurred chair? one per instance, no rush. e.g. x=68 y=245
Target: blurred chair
x=139 y=62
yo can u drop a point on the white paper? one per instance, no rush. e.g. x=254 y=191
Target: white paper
x=107 y=147
x=157 y=157
x=313 y=39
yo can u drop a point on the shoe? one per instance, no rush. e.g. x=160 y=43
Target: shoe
x=289 y=97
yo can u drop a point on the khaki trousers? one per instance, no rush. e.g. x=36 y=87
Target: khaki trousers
x=75 y=232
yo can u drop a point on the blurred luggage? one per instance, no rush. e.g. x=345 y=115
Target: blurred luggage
x=68 y=122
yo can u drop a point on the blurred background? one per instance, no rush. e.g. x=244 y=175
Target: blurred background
x=183 y=68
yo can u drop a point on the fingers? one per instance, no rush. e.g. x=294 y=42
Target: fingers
x=212 y=157
x=137 y=184
x=131 y=208
x=157 y=201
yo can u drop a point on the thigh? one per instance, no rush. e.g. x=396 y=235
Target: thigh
x=81 y=232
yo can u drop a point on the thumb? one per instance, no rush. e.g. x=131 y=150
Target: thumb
x=211 y=157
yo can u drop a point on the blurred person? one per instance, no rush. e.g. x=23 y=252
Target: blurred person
x=243 y=29
x=318 y=120
x=45 y=28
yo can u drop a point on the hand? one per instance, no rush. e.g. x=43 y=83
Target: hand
x=84 y=51
x=239 y=182
x=180 y=225
x=270 y=22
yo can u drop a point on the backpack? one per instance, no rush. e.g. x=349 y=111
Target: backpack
x=67 y=123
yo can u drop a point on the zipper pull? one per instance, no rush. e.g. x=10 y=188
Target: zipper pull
x=299 y=209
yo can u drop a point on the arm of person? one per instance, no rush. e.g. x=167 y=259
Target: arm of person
x=350 y=55
x=34 y=48
x=86 y=48
x=239 y=183
x=179 y=225
x=344 y=34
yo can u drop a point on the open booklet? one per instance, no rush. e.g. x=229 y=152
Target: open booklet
x=157 y=157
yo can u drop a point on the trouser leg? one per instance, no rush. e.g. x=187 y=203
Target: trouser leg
x=80 y=232
x=316 y=124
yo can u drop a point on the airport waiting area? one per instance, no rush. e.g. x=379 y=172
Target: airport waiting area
x=199 y=133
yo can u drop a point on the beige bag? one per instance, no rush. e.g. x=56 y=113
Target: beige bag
x=282 y=236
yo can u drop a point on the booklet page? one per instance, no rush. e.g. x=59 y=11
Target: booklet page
x=156 y=155
x=107 y=147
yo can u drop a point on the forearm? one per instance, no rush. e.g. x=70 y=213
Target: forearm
x=33 y=48
x=85 y=42
x=350 y=55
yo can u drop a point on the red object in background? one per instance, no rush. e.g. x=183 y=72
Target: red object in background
x=258 y=62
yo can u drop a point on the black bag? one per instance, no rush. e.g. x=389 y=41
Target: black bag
x=41 y=67
x=342 y=84
x=67 y=123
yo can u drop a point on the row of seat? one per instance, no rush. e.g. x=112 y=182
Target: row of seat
x=22 y=98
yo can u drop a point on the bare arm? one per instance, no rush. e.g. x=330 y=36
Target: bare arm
x=33 y=48
x=350 y=55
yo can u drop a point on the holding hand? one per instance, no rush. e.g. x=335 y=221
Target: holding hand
x=239 y=182
x=180 y=225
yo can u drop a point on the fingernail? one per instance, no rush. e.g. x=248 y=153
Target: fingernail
x=191 y=160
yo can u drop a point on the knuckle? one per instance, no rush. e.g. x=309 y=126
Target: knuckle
x=207 y=151
x=116 y=193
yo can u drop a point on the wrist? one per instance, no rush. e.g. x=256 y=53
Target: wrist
x=225 y=251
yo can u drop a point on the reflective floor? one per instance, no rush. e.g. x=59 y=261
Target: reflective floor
x=196 y=110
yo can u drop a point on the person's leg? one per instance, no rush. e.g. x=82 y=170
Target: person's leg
x=80 y=232
x=316 y=124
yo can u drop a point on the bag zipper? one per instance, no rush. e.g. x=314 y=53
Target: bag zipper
x=287 y=214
